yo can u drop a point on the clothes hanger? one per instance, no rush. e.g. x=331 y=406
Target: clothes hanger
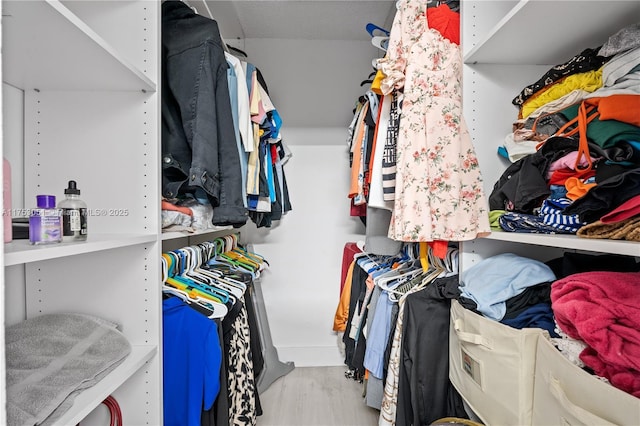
x=183 y=282
x=196 y=289
x=454 y=5
x=367 y=262
x=238 y=259
x=225 y=261
x=253 y=255
x=209 y=277
x=223 y=278
x=420 y=281
x=209 y=307
x=193 y=8
x=369 y=80
x=414 y=280
x=372 y=28
x=381 y=42
x=229 y=267
x=231 y=242
x=382 y=265
x=242 y=258
x=235 y=49
x=391 y=284
x=394 y=273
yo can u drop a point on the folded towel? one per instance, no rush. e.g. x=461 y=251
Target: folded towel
x=603 y=310
x=52 y=357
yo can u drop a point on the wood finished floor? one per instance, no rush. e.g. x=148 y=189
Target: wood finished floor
x=316 y=396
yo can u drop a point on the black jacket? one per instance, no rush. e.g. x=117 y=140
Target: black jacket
x=198 y=137
x=523 y=186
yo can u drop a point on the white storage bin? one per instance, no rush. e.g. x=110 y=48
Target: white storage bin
x=564 y=394
x=492 y=366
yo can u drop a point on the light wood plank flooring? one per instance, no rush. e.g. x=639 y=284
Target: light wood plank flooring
x=316 y=396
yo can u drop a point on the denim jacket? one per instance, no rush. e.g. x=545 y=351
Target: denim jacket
x=198 y=137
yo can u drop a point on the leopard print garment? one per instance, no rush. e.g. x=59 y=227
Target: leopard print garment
x=240 y=381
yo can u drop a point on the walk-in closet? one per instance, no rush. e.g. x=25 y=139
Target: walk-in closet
x=316 y=213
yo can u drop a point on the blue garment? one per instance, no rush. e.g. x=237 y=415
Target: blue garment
x=549 y=220
x=498 y=278
x=526 y=223
x=557 y=191
x=280 y=180
x=552 y=214
x=502 y=151
x=232 y=80
x=268 y=167
x=252 y=202
x=192 y=358
x=249 y=74
x=535 y=316
x=276 y=124
x=377 y=336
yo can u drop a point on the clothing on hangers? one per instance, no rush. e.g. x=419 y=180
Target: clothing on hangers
x=215 y=275
x=229 y=149
x=200 y=152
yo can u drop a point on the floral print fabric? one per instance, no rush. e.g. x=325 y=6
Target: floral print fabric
x=439 y=192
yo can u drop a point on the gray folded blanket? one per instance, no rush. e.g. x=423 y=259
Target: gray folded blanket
x=50 y=358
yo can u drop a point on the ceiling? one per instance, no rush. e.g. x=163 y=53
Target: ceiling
x=299 y=19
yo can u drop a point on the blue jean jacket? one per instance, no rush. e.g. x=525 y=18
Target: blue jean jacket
x=198 y=137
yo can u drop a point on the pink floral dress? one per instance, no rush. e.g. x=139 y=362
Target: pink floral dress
x=439 y=192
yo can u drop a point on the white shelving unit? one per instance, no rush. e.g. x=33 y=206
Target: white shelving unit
x=571 y=242
x=91 y=64
x=83 y=404
x=88 y=73
x=505 y=48
x=209 y=233
x=20 y=251
x=551 y=40
x=508 y=45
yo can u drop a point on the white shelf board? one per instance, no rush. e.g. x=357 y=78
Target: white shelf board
x=21 y=251
x=50 y=48
x=89 y=399
x=173 y=235
x=585 y=24
x=628 y=248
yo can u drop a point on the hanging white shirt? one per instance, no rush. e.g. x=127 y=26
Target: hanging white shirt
x=376 y=192
x=244 y=114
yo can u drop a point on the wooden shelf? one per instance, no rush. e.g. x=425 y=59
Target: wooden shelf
x=530 y=19
x=20 y=251
x=50 y=48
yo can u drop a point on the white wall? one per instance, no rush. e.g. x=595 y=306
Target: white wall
x=302 y=287
x=314 y=84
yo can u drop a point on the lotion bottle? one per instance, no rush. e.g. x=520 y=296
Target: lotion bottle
x=74 y=214
x=45 y=221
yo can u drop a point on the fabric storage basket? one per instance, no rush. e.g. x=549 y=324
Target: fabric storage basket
x=492 y=366
x=564 y=394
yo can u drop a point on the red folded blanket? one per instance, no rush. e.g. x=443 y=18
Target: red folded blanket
x=603 y=310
